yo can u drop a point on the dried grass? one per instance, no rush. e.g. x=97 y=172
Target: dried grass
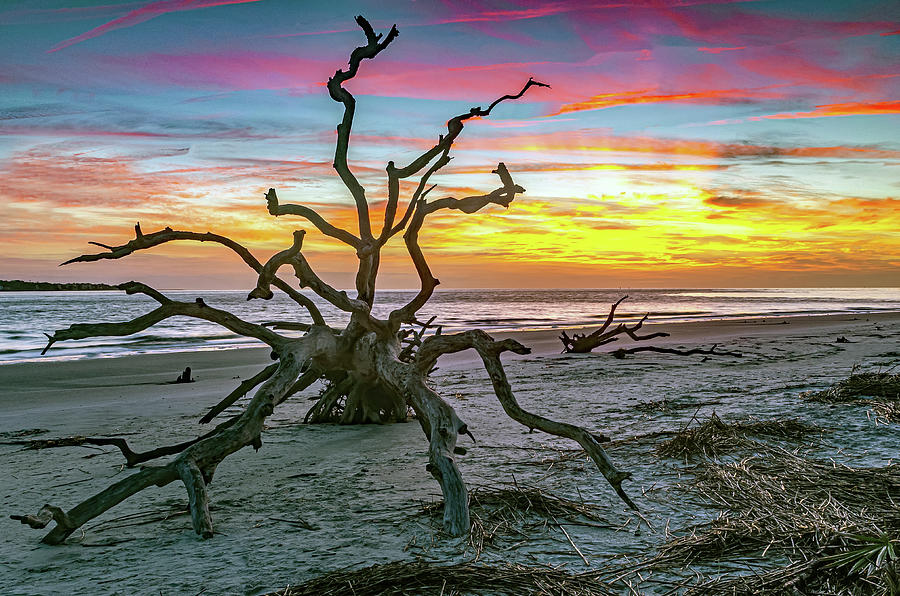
x=858 y=386
x=420 y=577
x=515 y=512
x=881 y=390
x=783 y=504
x=716 y=436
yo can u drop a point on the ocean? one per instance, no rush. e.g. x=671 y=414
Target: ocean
x=26 y=316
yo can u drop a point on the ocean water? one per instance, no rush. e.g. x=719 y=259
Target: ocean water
x=26 y=316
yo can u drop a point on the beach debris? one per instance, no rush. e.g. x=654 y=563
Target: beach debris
x=375 y=369
x=185 y=376
x=817 y=512
x=423 y=577
x=299 y=522
x=715 y=436
x=881 y=390
x=581 y=343
x=622 y=352
x=508 y=512
x=859 y=386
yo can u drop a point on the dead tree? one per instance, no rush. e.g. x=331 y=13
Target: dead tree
x=373 y=375
x=582 y=343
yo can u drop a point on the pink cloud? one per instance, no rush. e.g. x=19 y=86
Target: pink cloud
x=720 y=50
x=802 y=71
x=144 y=13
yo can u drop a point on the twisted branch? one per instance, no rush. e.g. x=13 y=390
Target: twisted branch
x=168 y=308
x=339 y=94
x=502 y=196
x=490 y=351
x=445 y=142
x=143 y=241
x=276 y=209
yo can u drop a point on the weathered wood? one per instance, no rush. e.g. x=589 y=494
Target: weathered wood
x=584 y=343
x=197 y=497
x=490 y=351
x=239 y=392
x=622 y=352
x=375 y=371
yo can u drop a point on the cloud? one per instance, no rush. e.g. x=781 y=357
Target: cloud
x=720 y=50
x=644 y=96
x=590 y=141
x=144 y=13
x=739 y=202
x=840 y=109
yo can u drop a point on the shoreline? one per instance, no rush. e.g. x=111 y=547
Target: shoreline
x=539 y=335
x=35 y=389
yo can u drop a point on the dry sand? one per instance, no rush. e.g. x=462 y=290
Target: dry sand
x=361 y=488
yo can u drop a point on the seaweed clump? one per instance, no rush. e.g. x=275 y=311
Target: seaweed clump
x=421 y=577
x=881 y=390
x=518 y=512
x=715 y=436
x=836 y=524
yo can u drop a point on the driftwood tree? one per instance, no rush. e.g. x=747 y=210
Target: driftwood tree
x=583 y=343
x=372 y=374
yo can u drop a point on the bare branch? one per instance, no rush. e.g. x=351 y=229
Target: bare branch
x=276 y=209
x=490 y=351
x=420 y=192
x=144 y=241
x=339 y=94
x=502 y=196
x=454 y=128
x=168 y=308
x=239 y=392
x=622 y=352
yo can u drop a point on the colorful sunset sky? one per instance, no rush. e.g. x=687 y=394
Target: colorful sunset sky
x=683 y=143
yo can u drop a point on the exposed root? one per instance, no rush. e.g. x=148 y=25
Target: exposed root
x=584 y=343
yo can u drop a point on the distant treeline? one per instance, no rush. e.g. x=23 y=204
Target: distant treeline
x=17 y=285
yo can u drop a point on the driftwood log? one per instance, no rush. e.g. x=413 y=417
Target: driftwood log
x=582 y=343
x=375 y=368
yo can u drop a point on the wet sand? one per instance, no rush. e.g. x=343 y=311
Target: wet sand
x=361 y=488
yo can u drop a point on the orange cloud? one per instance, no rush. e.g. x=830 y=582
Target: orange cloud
x=610 y=100
x=841 y=109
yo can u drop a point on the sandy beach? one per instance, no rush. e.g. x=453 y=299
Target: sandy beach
x=317 y=498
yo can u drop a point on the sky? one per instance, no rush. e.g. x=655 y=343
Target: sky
x=683 y=143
